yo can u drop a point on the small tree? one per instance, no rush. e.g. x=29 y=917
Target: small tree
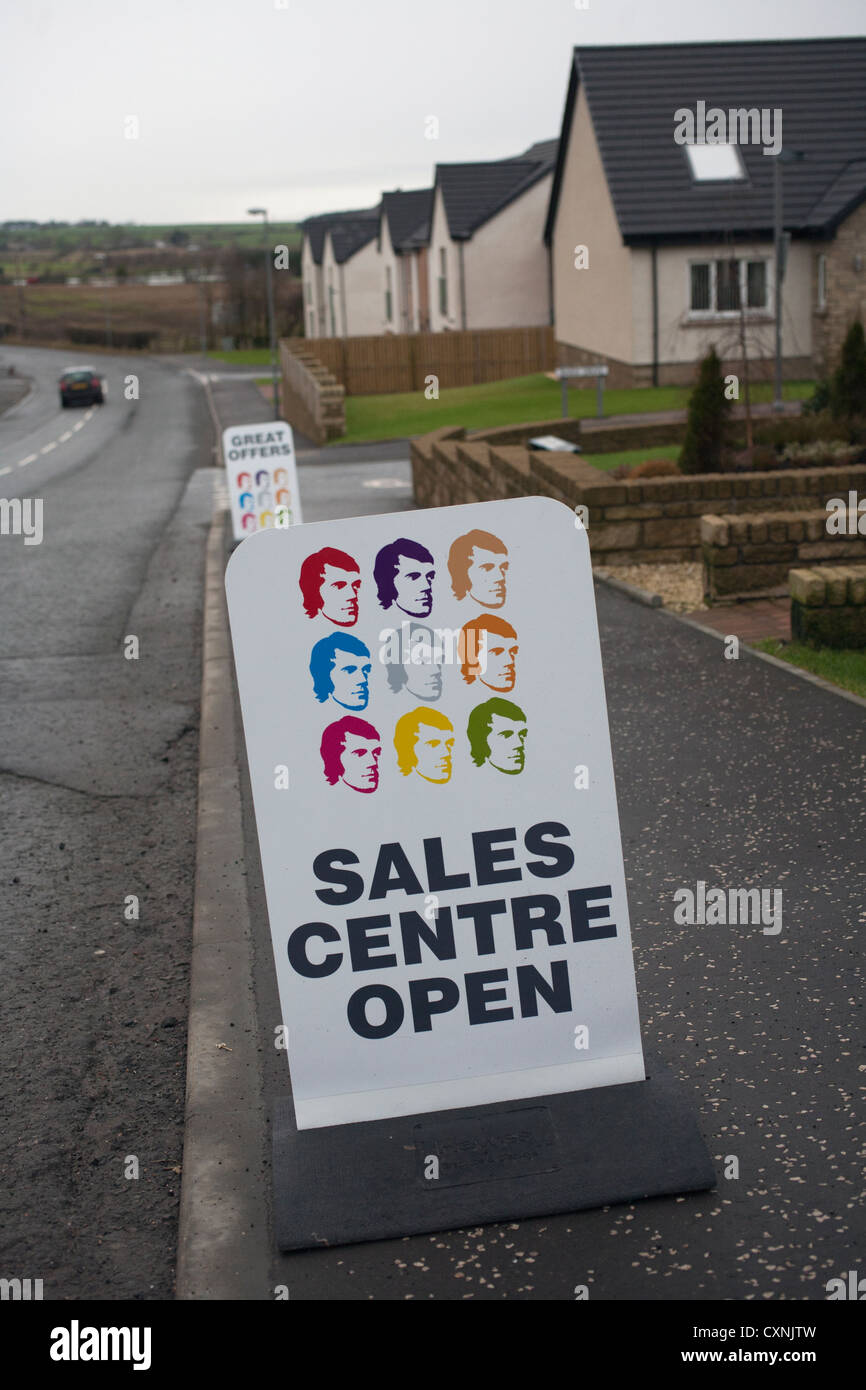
x=848 y=385
x=706 y=430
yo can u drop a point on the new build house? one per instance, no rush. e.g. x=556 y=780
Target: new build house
x=404 y=236
x=467 y=254
x=661 y=220
x=489 y=265
x=341 y=274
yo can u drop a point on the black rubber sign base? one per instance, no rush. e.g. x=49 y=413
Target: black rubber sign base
x=452 y=1168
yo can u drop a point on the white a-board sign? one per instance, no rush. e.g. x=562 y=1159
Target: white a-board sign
x=262 y=477
x=428 y=745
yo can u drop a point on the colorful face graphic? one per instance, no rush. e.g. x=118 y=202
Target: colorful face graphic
x=497 y=735
x=404 y=573
x=340 y=667
x=433 y=749
x=497 y=657
x=421 y=667
x=487 y=571
x=424 y=741
x=330 y=582
x=351 y=677
x=351 y=750
x=424 y=680
x=478 y=564
x=414 y=584
x=339 y=591
x=506 y=741
x=488 y=652
x=361 y=763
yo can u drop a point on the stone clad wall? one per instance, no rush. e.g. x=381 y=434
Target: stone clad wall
x=646 y=520
x=312 y=399
x=752 y=555
x=828 y=605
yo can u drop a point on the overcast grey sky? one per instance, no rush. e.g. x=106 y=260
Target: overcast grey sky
x=305 y=105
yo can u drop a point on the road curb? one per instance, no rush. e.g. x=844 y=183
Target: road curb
x=629 y=590
x=223 y=1209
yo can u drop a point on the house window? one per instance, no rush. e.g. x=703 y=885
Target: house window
x=701 y=289
x=727 y=286
x=312 y=324
x=443 y=282
x=721 y=287
x=331 y=308
x=389 y=297
x=822 y=282
x=756 y=284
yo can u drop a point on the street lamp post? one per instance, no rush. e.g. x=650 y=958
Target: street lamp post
x=202 y=320
x=272 y=330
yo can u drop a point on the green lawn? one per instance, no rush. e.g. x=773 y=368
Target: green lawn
x=844 y=668
x=245 y=357
x=511 y=402
x=607 y=462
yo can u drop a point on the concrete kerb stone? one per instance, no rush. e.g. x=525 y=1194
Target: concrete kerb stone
x=223 y=1211
x=629 y=590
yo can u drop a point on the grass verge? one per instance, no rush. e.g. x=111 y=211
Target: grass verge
x=845 y=668
x=511 y=402
x=245 y=357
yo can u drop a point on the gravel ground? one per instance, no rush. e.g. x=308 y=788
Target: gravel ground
x=680 y=586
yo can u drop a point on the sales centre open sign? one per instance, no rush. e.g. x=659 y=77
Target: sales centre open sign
x=428 y=745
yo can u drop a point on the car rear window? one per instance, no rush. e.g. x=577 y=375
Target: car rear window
x=78 y=376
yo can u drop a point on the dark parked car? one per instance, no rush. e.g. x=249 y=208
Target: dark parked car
x=81 y=385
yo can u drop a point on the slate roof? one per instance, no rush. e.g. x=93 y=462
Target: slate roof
x=634 y=91
x=352 y=235
x=350 y=232
x=543 y=149
x=473 y=193
x=409 y=217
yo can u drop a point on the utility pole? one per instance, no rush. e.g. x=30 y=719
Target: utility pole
x=272 y=328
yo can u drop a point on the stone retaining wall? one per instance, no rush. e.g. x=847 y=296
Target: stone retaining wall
x=652 y=520
x=312 y=399
x=752 y=555
x=828 y=606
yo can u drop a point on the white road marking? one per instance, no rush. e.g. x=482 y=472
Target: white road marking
x=46 y=448
x=386 y=483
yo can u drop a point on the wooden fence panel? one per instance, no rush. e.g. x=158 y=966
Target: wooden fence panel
x=393 y=362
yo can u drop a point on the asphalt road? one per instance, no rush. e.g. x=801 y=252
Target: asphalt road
x=98 y=765
x=738 y=774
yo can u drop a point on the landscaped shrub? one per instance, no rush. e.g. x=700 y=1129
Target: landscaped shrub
x=707 y=428
x=655 y=468
x=798 y=429
x=819 y=400
x=848 y=383
x=821 y=453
